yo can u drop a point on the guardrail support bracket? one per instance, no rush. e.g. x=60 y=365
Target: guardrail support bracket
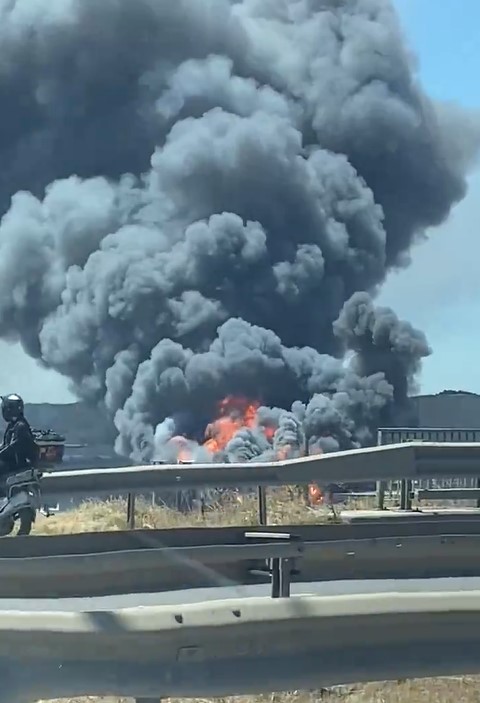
x=406 y=494
x=380 y=497
x=281 y=581
x=280 y=569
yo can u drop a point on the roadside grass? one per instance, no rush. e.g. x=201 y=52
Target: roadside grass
x=446 y=690
x=284 y=506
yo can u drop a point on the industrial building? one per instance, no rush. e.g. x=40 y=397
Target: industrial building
x=456 y=409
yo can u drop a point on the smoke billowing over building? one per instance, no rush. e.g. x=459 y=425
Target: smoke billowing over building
x=201 y=200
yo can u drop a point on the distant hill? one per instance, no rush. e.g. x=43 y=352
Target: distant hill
x=82 y=424
x=79 y=423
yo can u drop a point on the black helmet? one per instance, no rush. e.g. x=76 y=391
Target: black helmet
x=12 y=407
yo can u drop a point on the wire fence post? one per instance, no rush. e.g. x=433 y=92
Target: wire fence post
x=262 y=505
x=131 y=511
x=381 y=486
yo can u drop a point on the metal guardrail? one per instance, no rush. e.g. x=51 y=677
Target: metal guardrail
x=338 y=466
x=450 y=435
x=107 y=564
x=239 y=647
x=405 y=462
x=387 y=463
x=271 y=557
x=250 y=645
x=447 y=494
x=396 y=435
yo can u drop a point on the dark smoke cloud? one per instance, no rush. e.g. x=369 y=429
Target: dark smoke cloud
x=248 y=445
x=194 y=194
x=382 y=342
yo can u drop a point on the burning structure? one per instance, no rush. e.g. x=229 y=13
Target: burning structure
x=200 y=202
x=242 y=431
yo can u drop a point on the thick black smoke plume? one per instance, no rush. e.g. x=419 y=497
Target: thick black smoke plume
x=194 y=194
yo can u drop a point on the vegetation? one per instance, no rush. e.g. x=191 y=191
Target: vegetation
x=460 y=690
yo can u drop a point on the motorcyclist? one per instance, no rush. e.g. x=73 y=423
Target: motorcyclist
x=19 y=449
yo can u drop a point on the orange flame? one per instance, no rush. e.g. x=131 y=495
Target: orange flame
x=183 y=450
x=269 y=432
x=315 y=493
x=234 y=413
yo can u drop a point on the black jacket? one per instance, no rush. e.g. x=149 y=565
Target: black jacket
x=19 y=449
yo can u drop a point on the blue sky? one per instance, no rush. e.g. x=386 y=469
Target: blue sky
x=440 y=290
x=445 y=34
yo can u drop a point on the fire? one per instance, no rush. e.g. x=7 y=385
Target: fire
x=315 y=493
x=184 y=456
x=181 y=444
x=269 y=432
x=237 y=412
x=234 y=413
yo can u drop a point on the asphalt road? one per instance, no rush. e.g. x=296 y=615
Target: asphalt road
x=206 y=594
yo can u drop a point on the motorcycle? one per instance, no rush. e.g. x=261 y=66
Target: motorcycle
x=22 y=502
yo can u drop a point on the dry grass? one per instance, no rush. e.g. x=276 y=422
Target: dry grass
x=284 y=506
x=458 y=690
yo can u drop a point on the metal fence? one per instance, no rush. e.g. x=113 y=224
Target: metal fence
x=397 y=435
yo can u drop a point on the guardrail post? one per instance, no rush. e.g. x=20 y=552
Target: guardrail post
x=381 y=488
x=280 y=569
x=281 y=573
x=405 y=494
x=131 y=511
x=274 y=567
x=262 y=505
